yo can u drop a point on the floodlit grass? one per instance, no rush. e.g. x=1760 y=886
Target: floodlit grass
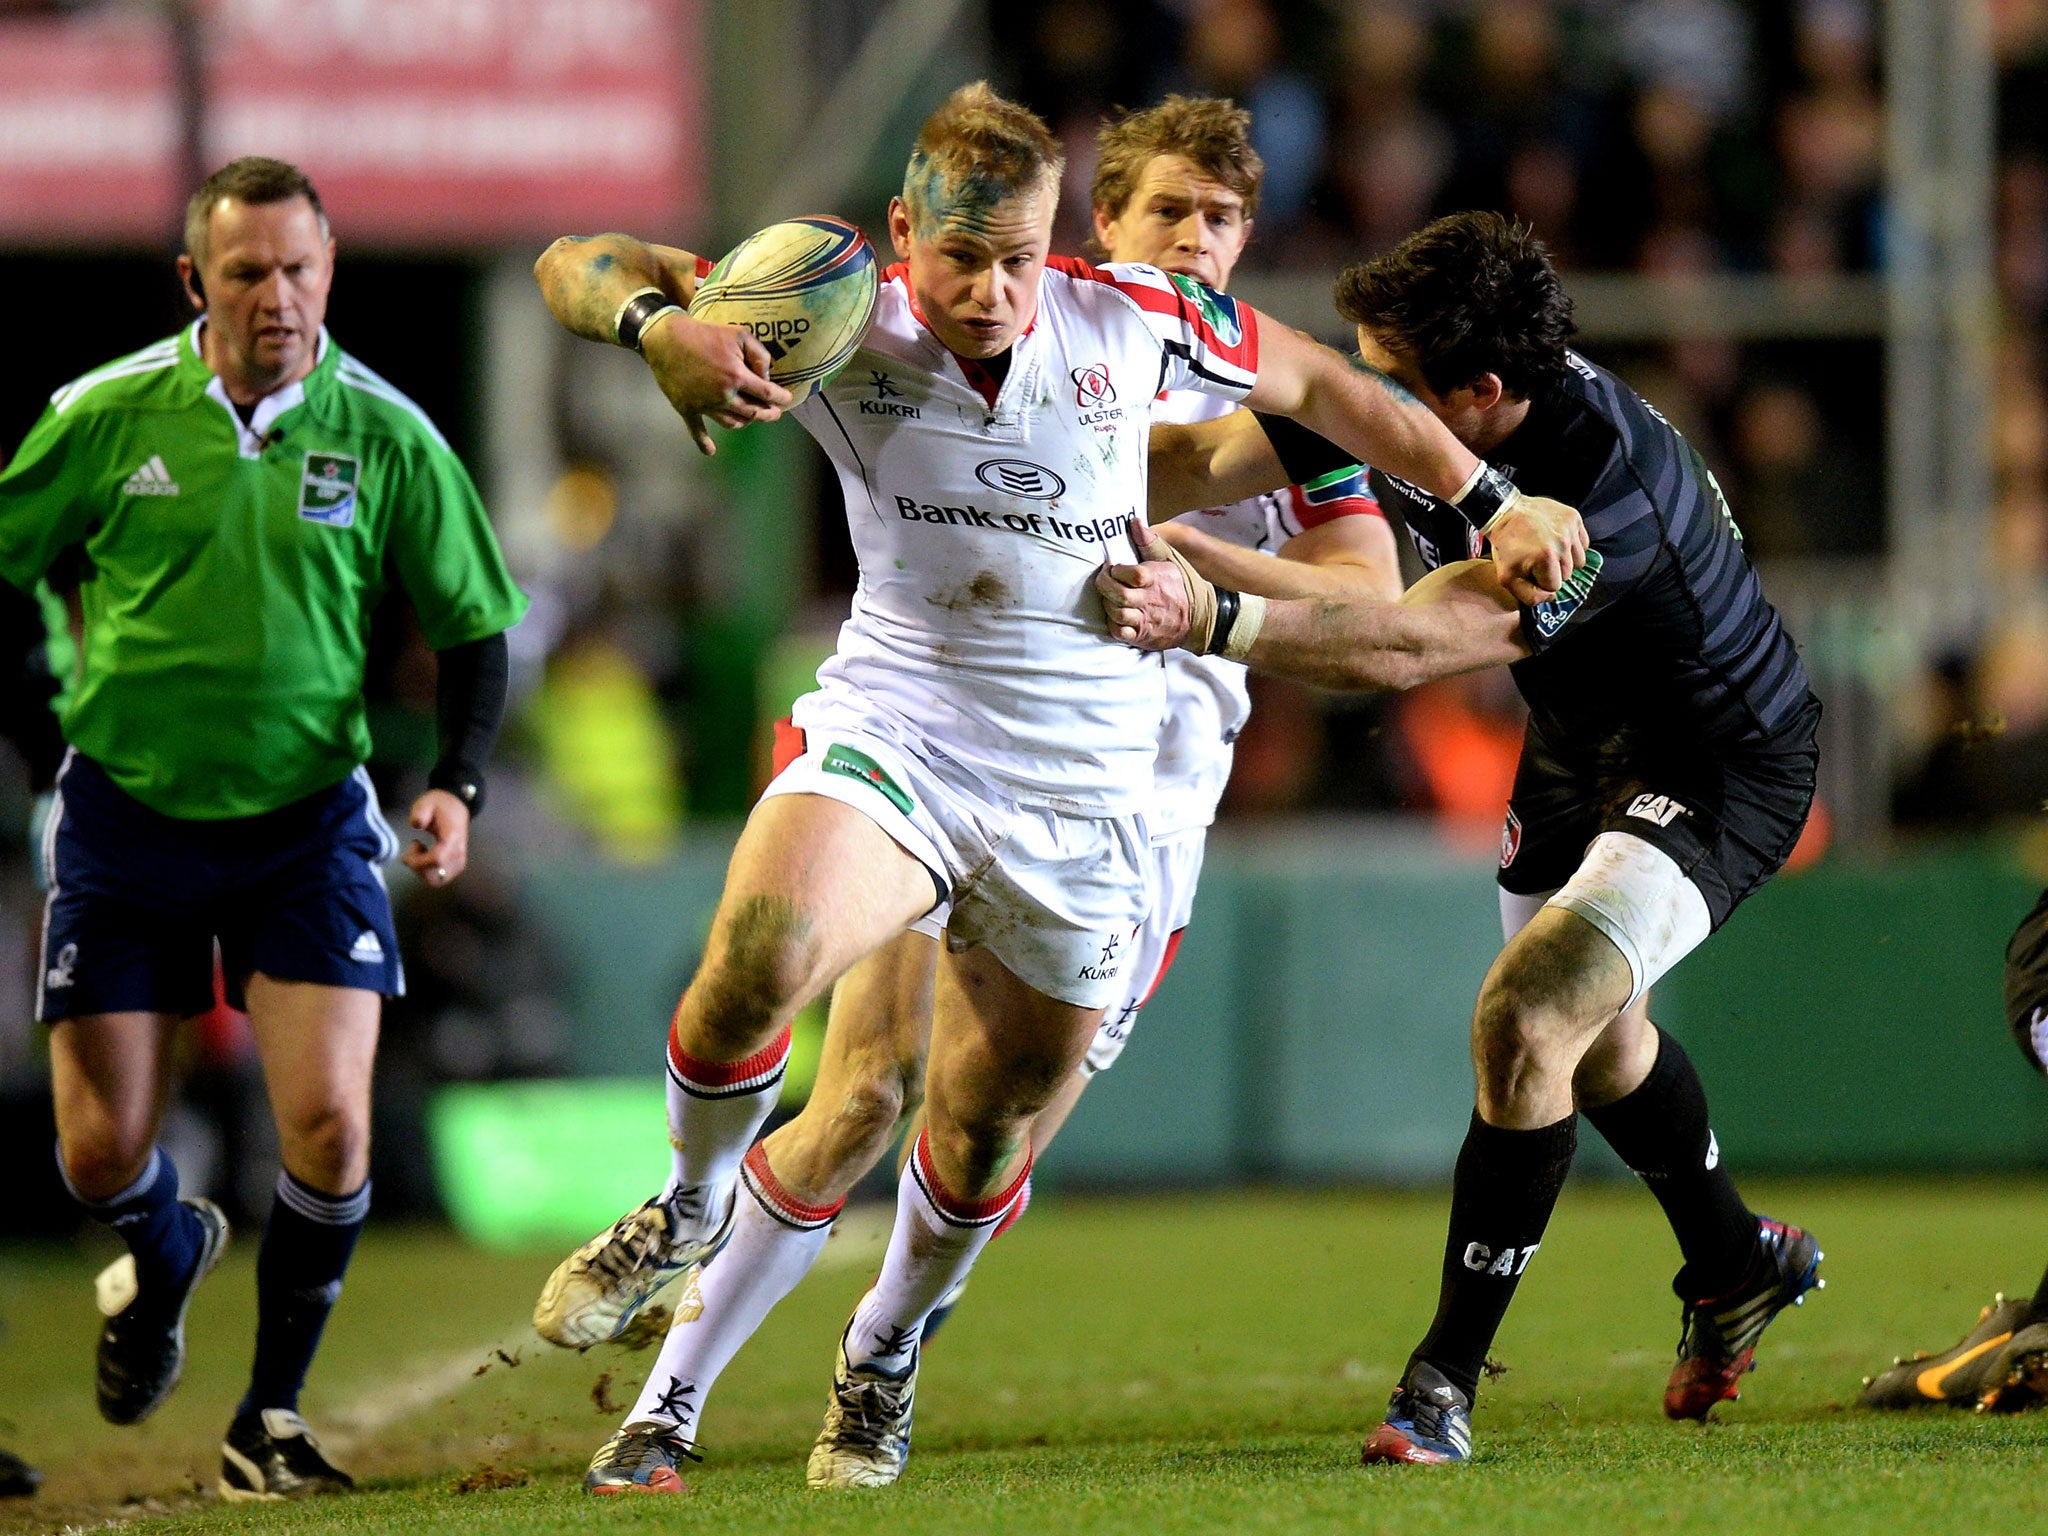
x=1198 y=1363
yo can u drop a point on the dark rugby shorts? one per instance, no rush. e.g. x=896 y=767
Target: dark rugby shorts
x=1729 y=821
x=2026 y=985
x=138 y=899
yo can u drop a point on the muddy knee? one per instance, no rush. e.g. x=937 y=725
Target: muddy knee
x=757 y=972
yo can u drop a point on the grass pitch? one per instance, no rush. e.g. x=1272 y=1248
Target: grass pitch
x=1185 y=1363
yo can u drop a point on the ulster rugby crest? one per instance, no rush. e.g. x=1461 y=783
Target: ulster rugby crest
x=327 y=489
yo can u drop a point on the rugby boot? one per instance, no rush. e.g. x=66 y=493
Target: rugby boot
x=1956 y=1376
x=271 y=1456
x=640 y=1458
x=1429 y=1422
x=2016 y=1374
x=866 y=1438
x=595 y=1291
x=142 y=1341
x=18 y=1480
x=1718 y=1335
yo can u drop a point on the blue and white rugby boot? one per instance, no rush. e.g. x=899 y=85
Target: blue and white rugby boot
x=1429 y=1422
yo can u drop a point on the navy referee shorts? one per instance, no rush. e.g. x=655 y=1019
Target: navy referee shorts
x=138 y=899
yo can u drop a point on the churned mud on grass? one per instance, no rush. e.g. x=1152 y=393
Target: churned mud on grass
x=488 y=1479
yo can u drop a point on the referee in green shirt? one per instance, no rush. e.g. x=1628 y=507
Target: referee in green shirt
x=229 y=505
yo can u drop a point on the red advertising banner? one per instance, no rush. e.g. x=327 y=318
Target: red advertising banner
x=423 y=122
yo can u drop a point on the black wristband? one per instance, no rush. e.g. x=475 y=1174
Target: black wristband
x=636 y=312
x=1227 y=605
x=469 y=704
x=1489 y=493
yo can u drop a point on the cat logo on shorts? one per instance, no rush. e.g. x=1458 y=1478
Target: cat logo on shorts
x=1661 y=809
x=1510 y=839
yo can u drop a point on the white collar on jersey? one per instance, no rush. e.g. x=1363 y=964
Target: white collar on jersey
x=250 y=435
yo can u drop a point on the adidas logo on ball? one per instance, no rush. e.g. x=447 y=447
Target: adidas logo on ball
x=806 y=288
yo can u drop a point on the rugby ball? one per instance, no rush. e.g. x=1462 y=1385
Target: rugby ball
x=806 y=288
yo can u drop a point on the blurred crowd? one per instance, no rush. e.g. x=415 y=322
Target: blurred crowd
x=1665 y=137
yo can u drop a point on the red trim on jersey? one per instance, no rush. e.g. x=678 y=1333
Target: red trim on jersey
x=772 y=1190
x=1165 y=964
x=1243 y=353
x=699 y=1073
x=950 y=1205
x=1314 y=514
x=789 y=744
x=704 y=266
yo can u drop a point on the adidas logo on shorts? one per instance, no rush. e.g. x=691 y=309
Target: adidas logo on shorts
x=150 y=480
x=367 y=948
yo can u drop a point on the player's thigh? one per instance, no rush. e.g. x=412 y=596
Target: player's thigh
x=1001 y=1049
x=880 y=1022
x=318 y=1046
x=109 y=1080
x=870 y=1073
x=812 y=887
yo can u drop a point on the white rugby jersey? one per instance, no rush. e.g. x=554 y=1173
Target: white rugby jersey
x=980 y=515
x=1207 y=702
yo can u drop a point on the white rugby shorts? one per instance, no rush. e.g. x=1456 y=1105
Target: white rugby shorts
x=1176 y=870
x=1058 y=899
x=1633 y=892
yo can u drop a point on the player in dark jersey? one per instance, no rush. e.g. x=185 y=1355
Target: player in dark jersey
x=2001 y=1365
x=1666 y=773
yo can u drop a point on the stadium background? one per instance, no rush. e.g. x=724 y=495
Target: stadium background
x=1815 y=234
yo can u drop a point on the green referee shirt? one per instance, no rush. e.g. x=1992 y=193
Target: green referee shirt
x=232 y=568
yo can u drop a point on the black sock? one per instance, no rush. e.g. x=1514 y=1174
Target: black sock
x=305 y=1251
x=1661 y=1132
x=164 y=1236
x=1505 y=1187
x=2041 y=1298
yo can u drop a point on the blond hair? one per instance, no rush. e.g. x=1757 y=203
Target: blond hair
x=1211 y=133
x=979 y=147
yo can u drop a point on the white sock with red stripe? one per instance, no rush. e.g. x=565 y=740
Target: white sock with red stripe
x=715 y=1109
x=937 y=1238
x=776 y=1238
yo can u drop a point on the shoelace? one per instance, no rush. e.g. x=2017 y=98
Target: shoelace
x=671 y=1441
x=629 y=1250
x=866 y=1408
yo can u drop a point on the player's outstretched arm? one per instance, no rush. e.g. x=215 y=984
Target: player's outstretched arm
x=1346 y=559
x=1209 y=464
x=615 y=289
x=1456 y=619
x=1537 y=543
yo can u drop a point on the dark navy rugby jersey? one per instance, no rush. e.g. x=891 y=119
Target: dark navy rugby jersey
x=1665 y=630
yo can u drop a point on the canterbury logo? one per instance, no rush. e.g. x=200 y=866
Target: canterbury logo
x=150 y=480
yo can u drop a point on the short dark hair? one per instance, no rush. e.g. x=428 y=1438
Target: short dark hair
x=254 y=179
x=1471 y=294
x=1209 y=132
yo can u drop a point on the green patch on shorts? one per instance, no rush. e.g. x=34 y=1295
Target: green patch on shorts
x=858 y=765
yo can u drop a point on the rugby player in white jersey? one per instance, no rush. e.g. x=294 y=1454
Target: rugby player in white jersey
x=977 y=747
x=1176 y=186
